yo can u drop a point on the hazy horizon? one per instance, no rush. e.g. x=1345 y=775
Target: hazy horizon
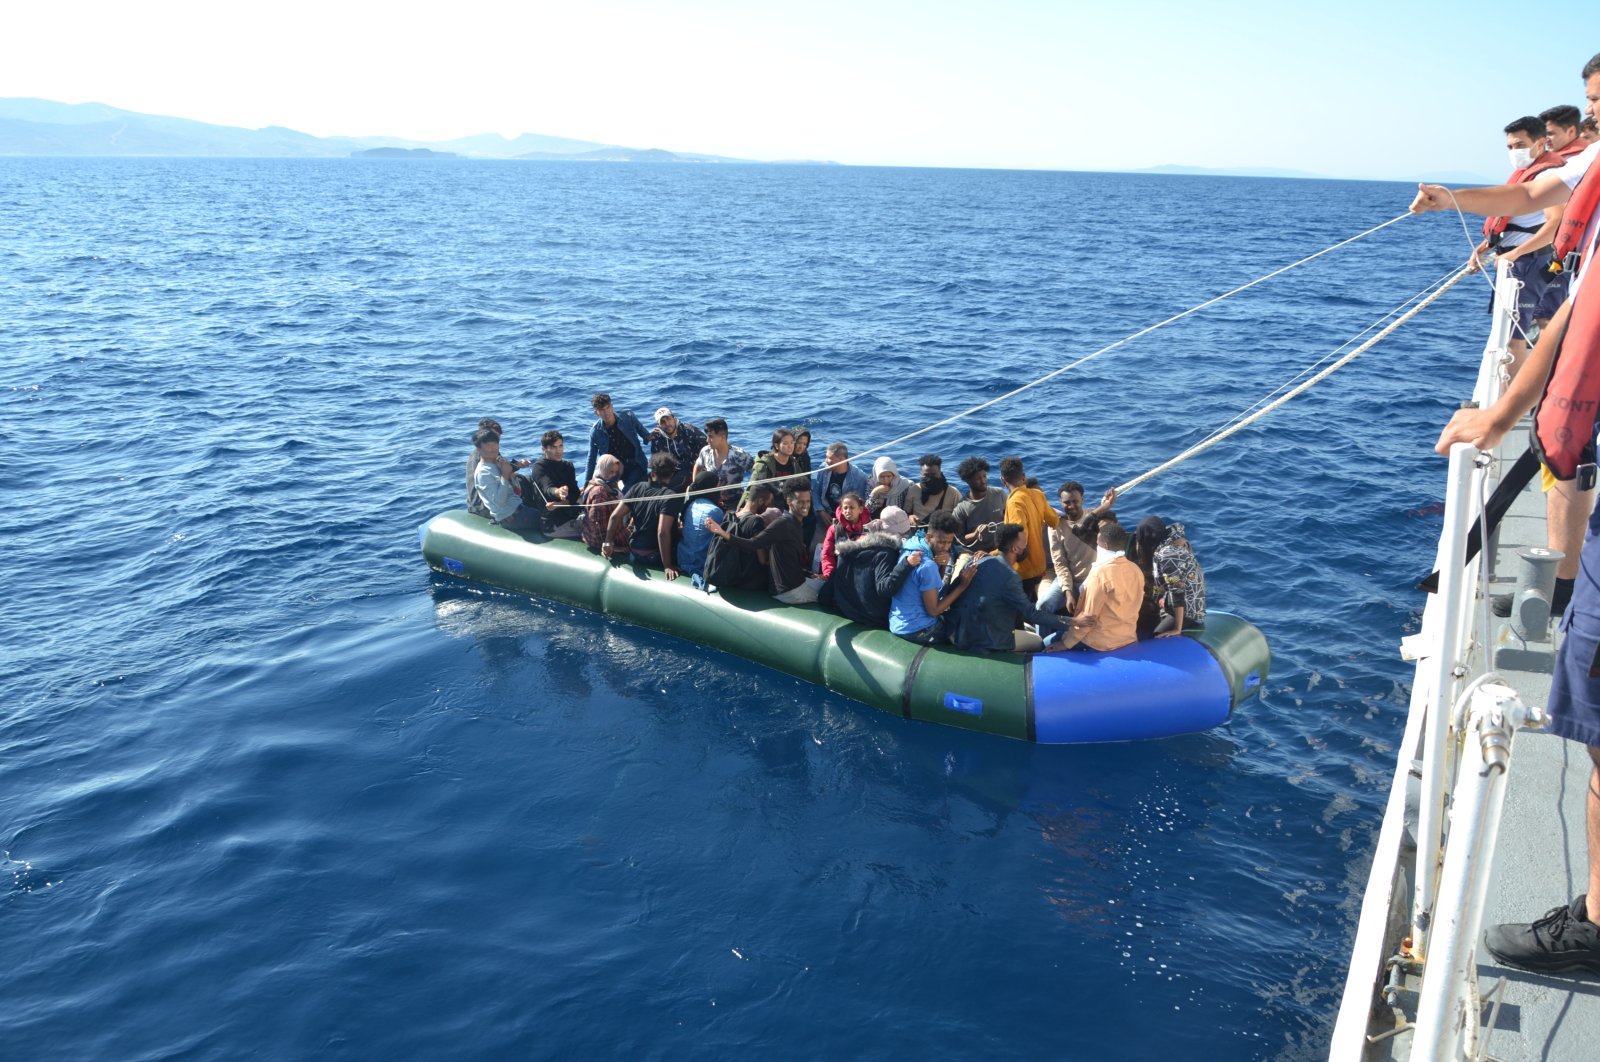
x=1023 y=84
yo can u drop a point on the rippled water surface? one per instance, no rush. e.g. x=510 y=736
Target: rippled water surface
x=268 y=789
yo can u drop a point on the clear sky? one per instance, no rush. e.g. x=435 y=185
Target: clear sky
x=1358 y=88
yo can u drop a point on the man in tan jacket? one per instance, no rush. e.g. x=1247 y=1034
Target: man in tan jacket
x=1111 y=598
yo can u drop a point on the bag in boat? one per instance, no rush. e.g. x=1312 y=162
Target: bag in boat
x=731 y=568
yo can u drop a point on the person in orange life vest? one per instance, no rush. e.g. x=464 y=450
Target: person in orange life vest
x=1523 y=242
x=1561 y=124
x=1027 y=506
x=1567 y=507
x=1567 y=938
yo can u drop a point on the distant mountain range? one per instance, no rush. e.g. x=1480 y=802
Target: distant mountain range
x=44 y=127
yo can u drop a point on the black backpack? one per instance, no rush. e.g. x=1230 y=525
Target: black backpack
x=731 y=568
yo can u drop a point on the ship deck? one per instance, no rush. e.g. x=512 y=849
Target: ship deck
x=1541 y=856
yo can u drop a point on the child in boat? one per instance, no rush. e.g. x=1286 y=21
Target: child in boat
x=849 y=522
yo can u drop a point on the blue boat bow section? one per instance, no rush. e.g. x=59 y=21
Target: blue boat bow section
x=1145 y=690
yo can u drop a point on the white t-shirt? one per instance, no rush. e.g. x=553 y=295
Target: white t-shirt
x=1571 y=174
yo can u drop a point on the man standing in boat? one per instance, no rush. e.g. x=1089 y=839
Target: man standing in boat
x=1567 y=938
x=618 y=432
x=1028 y=507
x=679 y=438
x=1568 y=504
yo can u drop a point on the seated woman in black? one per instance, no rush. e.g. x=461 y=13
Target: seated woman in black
x=1175 y=586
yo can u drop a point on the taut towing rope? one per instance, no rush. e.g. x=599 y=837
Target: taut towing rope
x=1205 y=444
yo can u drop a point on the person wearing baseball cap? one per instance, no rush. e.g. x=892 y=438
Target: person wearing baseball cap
x=682 y=440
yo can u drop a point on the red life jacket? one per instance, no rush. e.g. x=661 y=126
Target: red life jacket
x=1550 y=160
x=1580 y=208
x=1575 y=147
x=1564 y=422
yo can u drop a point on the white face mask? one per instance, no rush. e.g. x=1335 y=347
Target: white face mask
x=1520 y=158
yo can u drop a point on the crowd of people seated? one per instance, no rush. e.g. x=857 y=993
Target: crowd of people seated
x=996 y=569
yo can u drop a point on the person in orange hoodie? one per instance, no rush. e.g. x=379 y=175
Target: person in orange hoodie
x=1111 y=598
x=1027 y=506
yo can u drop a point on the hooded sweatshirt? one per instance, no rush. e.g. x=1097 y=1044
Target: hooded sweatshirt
x=899 y=492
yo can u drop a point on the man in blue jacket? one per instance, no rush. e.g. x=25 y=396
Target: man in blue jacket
x=985 y=619
x=833 y=481
x=618 y=432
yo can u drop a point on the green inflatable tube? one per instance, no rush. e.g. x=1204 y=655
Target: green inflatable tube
x=992 y=693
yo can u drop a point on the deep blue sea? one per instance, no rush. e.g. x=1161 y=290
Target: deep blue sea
x=269 y=789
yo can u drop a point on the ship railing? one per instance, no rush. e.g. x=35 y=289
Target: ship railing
x=1459 y=736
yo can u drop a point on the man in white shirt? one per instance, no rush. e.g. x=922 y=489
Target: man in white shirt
x=1566 y=940
x=1567 y=508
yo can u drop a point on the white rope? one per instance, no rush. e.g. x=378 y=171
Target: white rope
x=1465 y=231
x=1125 y=340
x=1334 y=353
x=1031 y=384
x=1233 y=429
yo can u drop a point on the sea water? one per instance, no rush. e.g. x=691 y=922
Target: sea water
x=270 y=789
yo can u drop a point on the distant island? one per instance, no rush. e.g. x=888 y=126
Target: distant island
x=45 y=127
x=403 y=153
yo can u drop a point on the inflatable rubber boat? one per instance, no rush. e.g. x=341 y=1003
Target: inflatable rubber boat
x=1150 y=689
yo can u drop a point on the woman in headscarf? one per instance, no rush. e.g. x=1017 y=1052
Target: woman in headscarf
x=1175 y=586
x=600 y=496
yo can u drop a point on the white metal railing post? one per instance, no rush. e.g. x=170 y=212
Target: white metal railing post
x=1445 y=665
x=1448 y=1002
x=1445 y=855
x=1492 y=374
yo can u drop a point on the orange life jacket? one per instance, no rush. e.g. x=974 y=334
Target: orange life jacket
x=1575 y=147
x=1550 y=160
x=1580 y=208
x=1564 y=422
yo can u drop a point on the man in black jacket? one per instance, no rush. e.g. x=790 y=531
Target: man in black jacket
x=557 y=481
x=728 y=568
x=788 y=558
x=870 y=570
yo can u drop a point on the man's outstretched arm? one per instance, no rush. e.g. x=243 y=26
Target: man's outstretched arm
x=1508 y=200
x=1484 y=428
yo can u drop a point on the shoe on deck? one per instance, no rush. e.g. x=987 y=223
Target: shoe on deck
x=1564 y=941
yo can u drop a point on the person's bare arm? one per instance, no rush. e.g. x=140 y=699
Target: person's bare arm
x=1539 y=240
x=665 y=525
x=1544 y=191
x=619 y=513
x=1484 y=428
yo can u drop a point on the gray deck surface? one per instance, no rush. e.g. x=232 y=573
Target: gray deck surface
x=1541 y=854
